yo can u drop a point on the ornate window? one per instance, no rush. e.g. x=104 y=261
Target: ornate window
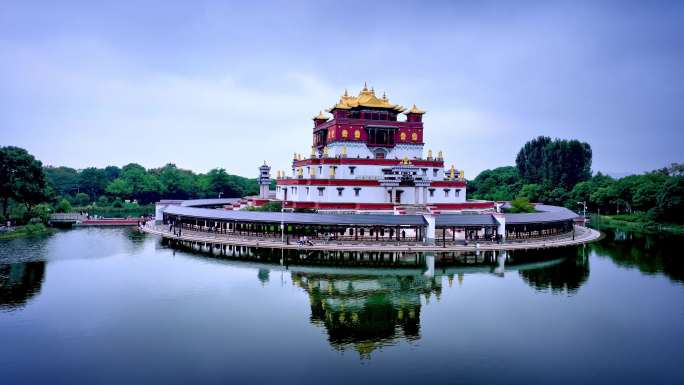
x=321 y=190
x=432 y=192
x=345 y=133
x=357 y=134
x=414 y=137
x=339 y=191
x=402 y=136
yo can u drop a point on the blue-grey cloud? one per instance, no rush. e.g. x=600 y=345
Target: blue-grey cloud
x=207 y=84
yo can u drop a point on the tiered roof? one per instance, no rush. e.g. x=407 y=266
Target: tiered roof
x=368 y=99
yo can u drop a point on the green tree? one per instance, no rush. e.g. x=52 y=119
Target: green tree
x=111 y=173
x=175 y=183
x=555 y=163
x=92 y=181
x=670 y=201
x=21 y=178
x=502 y=183
x=120 y=188
x=521 y=205
x=532 y=192
x=64 y=180
x=42 y=212
x=63 y=206
x=82 y=199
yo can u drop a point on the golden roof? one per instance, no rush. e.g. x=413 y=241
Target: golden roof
x=321 y=116
x=366 y=98
x=415 y=110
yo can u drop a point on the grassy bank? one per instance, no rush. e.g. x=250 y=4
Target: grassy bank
x=27 y=231
x=117 y=212
x=635 y=222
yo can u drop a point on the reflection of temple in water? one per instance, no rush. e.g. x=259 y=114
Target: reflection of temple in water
x=367 y=312
x=19 y=282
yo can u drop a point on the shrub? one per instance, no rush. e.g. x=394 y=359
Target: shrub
x=521 y=205
x=63 y=206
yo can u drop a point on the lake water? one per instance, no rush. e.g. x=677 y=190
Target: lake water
x=112 y=306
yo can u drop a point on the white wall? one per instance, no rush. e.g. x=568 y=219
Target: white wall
x=367 y=194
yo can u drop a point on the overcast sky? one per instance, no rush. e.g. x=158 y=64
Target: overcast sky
x=214 y=84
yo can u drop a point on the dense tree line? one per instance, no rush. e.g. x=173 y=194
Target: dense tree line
x=554 y=163
x=134 y=182
x=565 y=179
x=30 y=190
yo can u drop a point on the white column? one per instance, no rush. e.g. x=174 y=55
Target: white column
x=430 y=229
x=417 y=196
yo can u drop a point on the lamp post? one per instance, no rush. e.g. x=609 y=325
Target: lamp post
x=282 y=224
x=584 y=213
x=220 y=193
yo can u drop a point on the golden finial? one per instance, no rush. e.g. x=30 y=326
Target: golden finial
x=346 y=94
x=406 y=160
x=325 y=151
x=300 y=172
x=313 y=152
x=344 y=151
x=461 y=175
x=452 y=172
x=429 y=154
x=373 y=90
x=384 y=95
x=365 y=86
x=332 y=171
x=440 y=155
x=320 y=116
x=415 y=110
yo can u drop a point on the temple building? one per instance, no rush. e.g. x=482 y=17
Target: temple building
x=364 y=157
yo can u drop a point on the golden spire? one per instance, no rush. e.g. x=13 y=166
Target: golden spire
x=440 y=156
x=429 y=154
x=313 y=152
x=366 y=98
x=405 y=160
x=344 y=151
x=384 y=96
x=415 y=110
x=452 y=172
x=461 y=175
x=325 y=151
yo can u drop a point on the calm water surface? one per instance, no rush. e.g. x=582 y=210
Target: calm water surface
x=95 y=306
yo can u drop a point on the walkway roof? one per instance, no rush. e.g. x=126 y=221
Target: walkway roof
x=298 y=218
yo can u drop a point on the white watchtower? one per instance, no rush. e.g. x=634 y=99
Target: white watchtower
x=264 y=180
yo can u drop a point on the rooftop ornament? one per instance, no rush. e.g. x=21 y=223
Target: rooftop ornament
x=366 y=98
